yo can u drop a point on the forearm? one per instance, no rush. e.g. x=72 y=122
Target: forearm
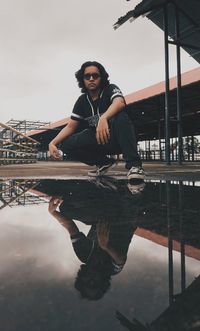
x=114 y=108
x=67 y=223
x=118 y=257
x=64 y=133
x=102 y=130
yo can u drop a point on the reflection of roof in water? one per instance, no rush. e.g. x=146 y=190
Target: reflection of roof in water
x=18 y=193
x=183 y=313
x=163 y=241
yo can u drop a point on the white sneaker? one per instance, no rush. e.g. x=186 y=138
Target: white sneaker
x=136 y=188
x=136 y=173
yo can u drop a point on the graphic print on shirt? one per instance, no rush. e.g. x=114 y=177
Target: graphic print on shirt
x=89 y=111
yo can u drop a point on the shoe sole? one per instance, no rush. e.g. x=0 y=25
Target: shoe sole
x=105 y=184
x=91 y=174
x=136 y=176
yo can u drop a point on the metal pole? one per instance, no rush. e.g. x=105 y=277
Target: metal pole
x=170 y=245
x=149 y=151
x=178 y=96
x=172 y=149
x=167 y=117
x=159 y=139
x=182 y=242
x=192 y=147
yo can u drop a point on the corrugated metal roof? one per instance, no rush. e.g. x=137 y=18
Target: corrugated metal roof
x=147 y=107
x=189 y=19
x=187 y=78
x=147 y=5
x=50 y=126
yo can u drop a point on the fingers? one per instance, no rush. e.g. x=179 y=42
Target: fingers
x=54 y=152
x=56 y=155
x=103 y=227
x=106 y=227
x=53 y=202
x=56 y=202
x=101 y=138
x=103 y=231
x=102 y=135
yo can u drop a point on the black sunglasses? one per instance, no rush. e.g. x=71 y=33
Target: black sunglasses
x=94 y=75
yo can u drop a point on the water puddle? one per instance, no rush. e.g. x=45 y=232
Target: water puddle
x=99 y=255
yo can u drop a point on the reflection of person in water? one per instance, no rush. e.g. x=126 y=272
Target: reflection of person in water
x=103 y=251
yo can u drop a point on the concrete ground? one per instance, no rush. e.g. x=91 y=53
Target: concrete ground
x=75 y=170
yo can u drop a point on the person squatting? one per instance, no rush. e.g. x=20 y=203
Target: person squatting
x=99 y=126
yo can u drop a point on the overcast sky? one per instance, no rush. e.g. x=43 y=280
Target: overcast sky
x=44 y=42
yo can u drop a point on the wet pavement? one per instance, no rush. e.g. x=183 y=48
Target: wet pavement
x=99 y=254
x=76 y=170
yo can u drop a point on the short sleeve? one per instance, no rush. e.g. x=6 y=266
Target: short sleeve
x=117 y=268
x=83 y=246
x=77 y=114
x=114 y=91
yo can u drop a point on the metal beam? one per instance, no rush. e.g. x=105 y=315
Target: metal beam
x=179 y=43
x=167 y=110
x=178 y=96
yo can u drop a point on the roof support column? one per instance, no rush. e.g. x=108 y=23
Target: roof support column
x=170 y=245
x=193 y=148
x=167 y=117
x=182 y=242
x=179 y=110
x=159 y=139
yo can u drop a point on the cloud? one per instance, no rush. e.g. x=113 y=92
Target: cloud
x=43 y=43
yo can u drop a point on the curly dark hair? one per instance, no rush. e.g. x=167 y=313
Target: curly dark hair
x=92 y=284
x=79 y=75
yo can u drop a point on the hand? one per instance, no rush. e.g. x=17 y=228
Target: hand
x=53 y=204
x=54 y=152
x=103 y=230
x=102 y=131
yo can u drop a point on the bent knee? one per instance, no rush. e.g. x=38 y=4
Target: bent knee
x=67 y=144
x=121 y=118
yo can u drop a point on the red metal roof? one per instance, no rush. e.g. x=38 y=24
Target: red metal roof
x=53 y=125
x=163 y=241
x=188 y=77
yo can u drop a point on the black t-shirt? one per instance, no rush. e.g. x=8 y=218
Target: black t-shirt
x=89 y=252
x=88 y=111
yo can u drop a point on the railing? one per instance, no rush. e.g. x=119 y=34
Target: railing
x=159 y=155
x=19 y=193
x=16 y=147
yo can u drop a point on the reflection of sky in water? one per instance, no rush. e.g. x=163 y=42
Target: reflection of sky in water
x=32 y=234
x=38 y=268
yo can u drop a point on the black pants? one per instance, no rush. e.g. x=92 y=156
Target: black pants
x=83 y=146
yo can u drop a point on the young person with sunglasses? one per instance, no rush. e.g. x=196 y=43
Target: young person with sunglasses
x=99 y=126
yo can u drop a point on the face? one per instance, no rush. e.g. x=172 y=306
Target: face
x=92 y=78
